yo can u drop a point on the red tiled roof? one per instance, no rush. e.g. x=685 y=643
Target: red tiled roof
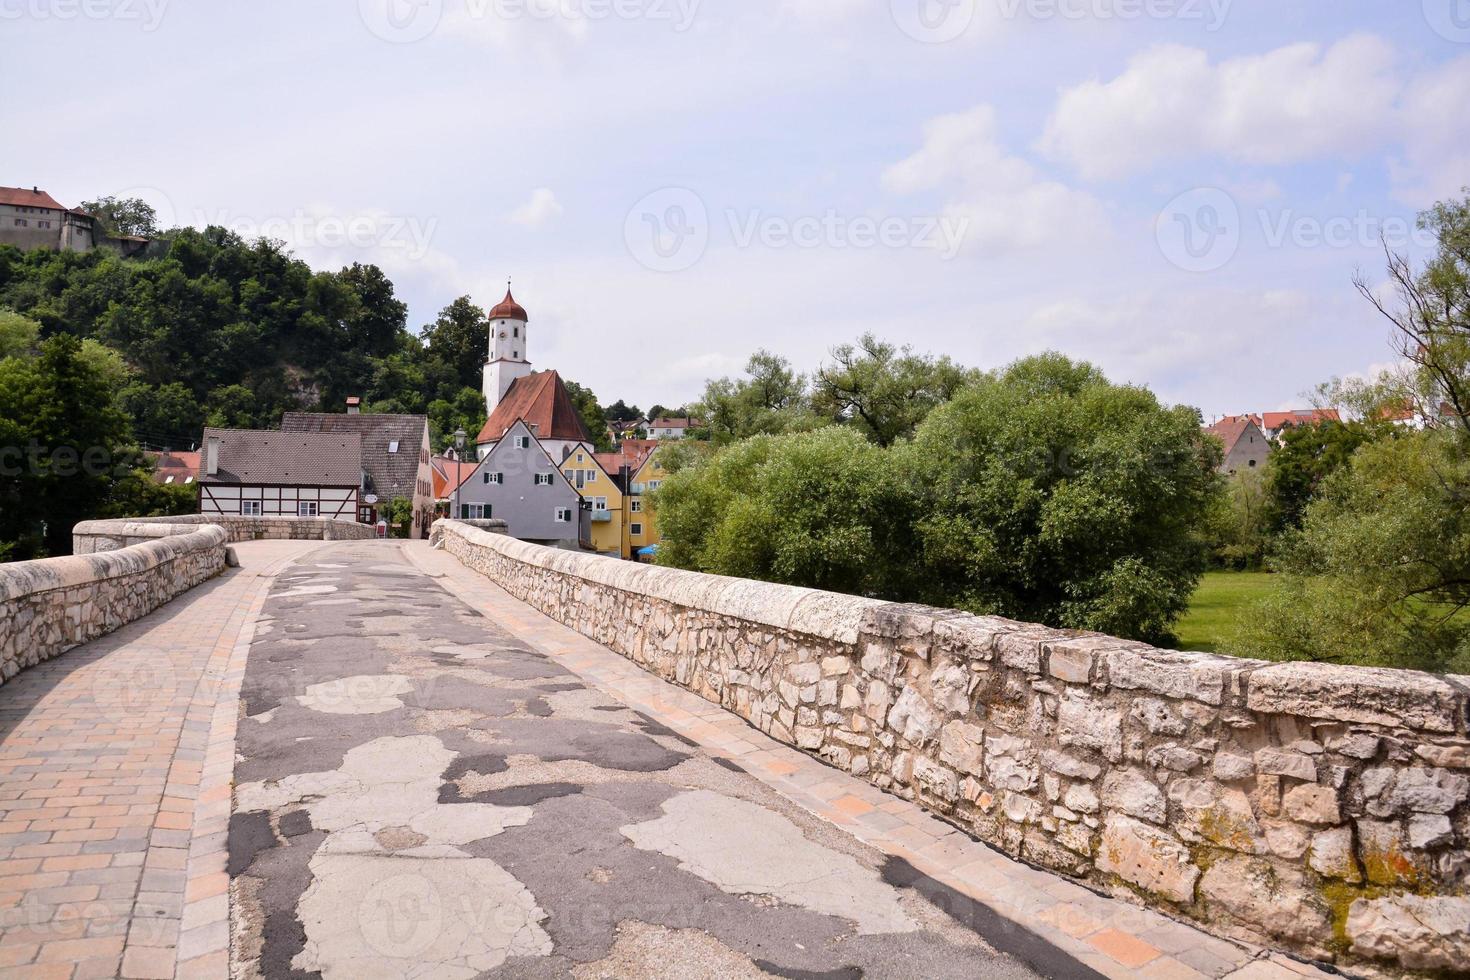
x=1306 y=416
x=450 y=474
x=542 y=402
x=679 y=423
x=180 y=466
x=509 y=309
x=1229 y=429
x=26 y=197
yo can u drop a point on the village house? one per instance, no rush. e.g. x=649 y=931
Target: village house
x=672 y=429
x=171 y=468
x=603 y=496
x=643 y=536
x=395 y=459
x=1276 y=424
x=31 y=218
x=253 y=473
x=519 y=483
x=1246 y=445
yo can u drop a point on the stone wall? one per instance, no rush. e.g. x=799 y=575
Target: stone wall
x=1310 y=807
x=49 y=606
x=91 y=537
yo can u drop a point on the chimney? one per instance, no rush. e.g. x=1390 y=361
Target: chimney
x=354 y=405
x=211 y=457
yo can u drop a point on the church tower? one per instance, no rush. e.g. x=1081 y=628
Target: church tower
x=508 y=362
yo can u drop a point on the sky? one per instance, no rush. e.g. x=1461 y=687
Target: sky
x=1180 y=191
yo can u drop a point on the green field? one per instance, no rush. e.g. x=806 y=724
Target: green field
x=1223 y=597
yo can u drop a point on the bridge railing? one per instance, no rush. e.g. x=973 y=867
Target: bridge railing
x=1313 y=807
x=121 y=571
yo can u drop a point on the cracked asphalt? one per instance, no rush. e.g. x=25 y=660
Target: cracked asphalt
x=419 y=793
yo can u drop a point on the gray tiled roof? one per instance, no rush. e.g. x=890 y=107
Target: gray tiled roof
x=389 y=474
x=284 y=458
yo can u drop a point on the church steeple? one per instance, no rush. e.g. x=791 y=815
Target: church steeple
x=509 y=349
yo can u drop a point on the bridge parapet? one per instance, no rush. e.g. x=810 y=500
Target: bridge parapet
x=121 y=571
x=1316 y=808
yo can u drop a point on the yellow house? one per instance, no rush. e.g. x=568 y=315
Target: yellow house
x=642 y=522
x=605 y=499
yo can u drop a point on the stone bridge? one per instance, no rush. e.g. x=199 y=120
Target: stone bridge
x=232 y=752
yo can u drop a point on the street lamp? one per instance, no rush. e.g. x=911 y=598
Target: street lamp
x=459 y=437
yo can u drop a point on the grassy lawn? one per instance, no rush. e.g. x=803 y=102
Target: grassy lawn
x=1218 y=605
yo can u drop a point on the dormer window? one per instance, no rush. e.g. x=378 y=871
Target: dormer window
x=393 y=447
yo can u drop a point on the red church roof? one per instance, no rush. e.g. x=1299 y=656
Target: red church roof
x=509 y=309
x=542 y=401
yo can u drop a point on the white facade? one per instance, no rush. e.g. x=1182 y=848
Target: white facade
x=508 y=360
x=234 y=500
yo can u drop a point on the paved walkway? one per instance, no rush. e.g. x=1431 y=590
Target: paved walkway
x=433 y=779
x=114 y=787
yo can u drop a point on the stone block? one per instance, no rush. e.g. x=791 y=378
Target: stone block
x=1356 y=694
x=1418 y=933
x=913 y=717
x=1174 y=675
x=1274 y=900
x=1149 y=858
x=1312 y=804
x=1132 y=792
x=1331 y=854
x=1283 y=762
x=1083 y=723
x=961 y=746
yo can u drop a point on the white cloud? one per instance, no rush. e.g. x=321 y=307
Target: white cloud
x=1294 y=103
x=539 y=210
x=1005 y=201
x=1436 y=162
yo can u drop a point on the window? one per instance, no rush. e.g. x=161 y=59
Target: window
x=516 y=332
x=563 y=515
x=474 y=512
x=306 y=508
x=43 y=224
x=495 y=478
x=599 y=503
x=393 y=446
x=654 y=484
x=591 y=476
x=637 y=506
x=1253 y=464
x=168 y=479
x=543 y=479
x=188 y=479
x=635 y=530
x=250 y=508
x=515 y=355
x=523 y=442
x=581 y=458
x=20 y=222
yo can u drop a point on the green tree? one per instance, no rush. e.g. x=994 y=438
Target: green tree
x=883 y=390
x=620 y=411
x=459 y=339
x=1306 y=456
x=124 y=216
x=771 y=398
x=1047 y=494
x=63 y=442
x=19 y=335
x=807 y=509
x=592 y=415
x=1379 y=573
x=1239 y=522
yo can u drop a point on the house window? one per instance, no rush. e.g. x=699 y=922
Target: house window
x=306 y=508
x=168 y=479
x=636 y=530
x=43 y=224
x=250 y=508
x=543 y=479
x=20 y=222
x=188 y=479
x=495 y=478
x=393 y=447
x=516 y=332
x=1253 y=464
x=581 y=458
x=591 y=476
x=655 y=484
x=599 y=503
x=523 y=442
x=563 y=515
x=474 y=512
x=637 y=506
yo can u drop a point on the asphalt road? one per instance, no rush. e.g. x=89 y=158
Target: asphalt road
x=419 y=793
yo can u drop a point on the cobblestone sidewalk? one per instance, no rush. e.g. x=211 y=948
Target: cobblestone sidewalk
x=115 y=764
